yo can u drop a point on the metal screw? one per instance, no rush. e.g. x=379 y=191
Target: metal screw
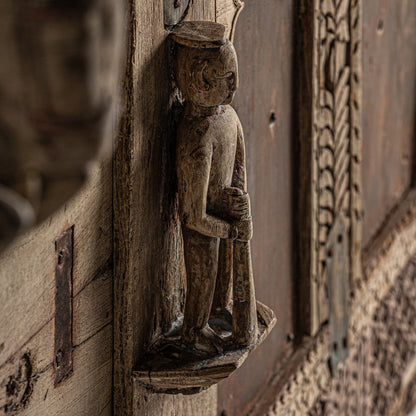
x=61 y=257
x=58 y=358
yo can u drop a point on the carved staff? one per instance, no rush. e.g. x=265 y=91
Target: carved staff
x=244 y=298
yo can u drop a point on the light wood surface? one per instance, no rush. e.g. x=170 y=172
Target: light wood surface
x=27 y=298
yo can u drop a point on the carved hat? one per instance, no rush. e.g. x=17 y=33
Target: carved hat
x=200 y=35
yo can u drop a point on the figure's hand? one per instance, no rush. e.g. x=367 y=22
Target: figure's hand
x=236 y=203
x=245 y=229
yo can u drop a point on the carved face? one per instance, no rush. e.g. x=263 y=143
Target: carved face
x=208 y=77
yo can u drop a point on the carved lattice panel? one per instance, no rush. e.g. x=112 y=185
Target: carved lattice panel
x=336 y=139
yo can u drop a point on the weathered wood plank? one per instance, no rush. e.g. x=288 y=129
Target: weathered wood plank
x=202 y=10
x=27 y=298
x=27 y=269
x=389 y=107
x=93 y=308
x=204 y=404
x=86 y=391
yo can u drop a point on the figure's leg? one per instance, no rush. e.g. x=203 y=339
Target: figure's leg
x=201 y=262
x=223 y=285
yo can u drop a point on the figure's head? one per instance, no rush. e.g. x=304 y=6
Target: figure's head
x=207 y=71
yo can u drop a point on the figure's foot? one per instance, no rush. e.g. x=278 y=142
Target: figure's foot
x=205 y=340
x=222 y=323
x=208 y=341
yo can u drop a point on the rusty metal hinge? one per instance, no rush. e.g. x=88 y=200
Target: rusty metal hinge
x=63 y=305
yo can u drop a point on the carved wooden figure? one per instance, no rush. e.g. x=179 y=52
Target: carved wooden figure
x=214 y=204
x=222 y=321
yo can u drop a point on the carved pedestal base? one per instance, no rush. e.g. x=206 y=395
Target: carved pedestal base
x=171 y=367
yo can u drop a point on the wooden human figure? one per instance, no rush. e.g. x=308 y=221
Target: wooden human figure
x=211 y=170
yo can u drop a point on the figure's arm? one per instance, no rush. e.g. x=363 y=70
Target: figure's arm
x=238 y=198
x=194 y=167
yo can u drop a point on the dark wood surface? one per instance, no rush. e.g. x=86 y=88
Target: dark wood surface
x=63 y=362
x=263 y=42
x=389 y=106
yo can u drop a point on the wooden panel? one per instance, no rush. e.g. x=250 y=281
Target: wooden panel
x=27 y=299
x=263 y=41
x=389 y=106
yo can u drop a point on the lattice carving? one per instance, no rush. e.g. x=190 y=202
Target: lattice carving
x=336 y=141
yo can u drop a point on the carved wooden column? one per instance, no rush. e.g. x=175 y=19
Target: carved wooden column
x=147 y=246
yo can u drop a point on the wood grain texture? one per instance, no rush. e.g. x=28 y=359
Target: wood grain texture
x=175 y=405
x=27 y=296
x=147 y=250
x=337 y=262
x=264 y=44
x=202 y=10
x=389 y=107
x=226 y=13
x=86 y=392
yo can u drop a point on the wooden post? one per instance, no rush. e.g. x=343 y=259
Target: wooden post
x=147 y=246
